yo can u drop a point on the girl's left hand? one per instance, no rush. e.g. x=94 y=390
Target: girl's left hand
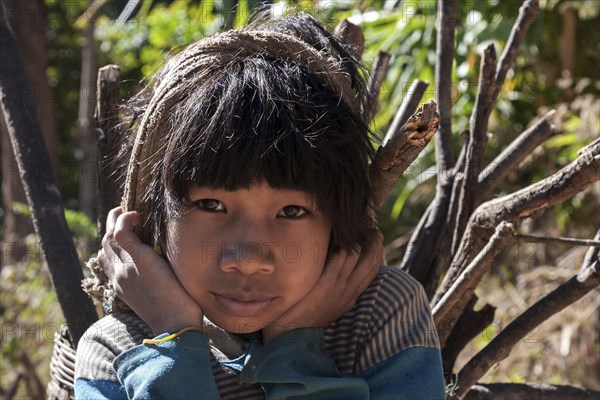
x=345 y=277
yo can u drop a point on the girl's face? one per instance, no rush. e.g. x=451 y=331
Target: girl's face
x=247 y=256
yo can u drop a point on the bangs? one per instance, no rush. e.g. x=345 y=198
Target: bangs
x=263 y=120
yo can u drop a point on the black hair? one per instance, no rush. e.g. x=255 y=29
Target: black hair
x=264 y=118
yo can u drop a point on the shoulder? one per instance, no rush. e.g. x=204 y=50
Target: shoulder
x=104 y=341
x=392 y=315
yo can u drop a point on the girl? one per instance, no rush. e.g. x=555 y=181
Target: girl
x=249 y=175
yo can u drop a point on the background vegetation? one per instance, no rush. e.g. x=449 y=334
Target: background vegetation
x=557 y=68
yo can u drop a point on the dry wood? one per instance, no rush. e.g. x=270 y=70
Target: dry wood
x=468 y=326
x=500 y=347
x=514 y=154
x=378 y=72
x=352 y=35
x=484 y=103
x=557 y=240
x=529 y=391
x=446 y=27
x=592 y=254
x=409 y=105
x=392 y=159
x=565 y=183
x=527 y=13
x=422 y=248
x=108 y=137
x=448 y=310
x=41 y=190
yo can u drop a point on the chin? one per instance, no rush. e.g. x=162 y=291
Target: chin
x=237 y=325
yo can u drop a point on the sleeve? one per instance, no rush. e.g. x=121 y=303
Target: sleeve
x=415 y=373
x=101 y=343
x=177 y=368
x=401 y=356
x=296 y=366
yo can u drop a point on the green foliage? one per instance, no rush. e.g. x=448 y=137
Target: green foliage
x=29 y=310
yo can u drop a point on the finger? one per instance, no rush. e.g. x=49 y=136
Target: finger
x=349 y=266
x=334 y=264
x=111 y=220
x=105 y=260
x=367 y=266
x=126 y=243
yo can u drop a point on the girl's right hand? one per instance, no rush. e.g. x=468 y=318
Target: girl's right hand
x=143 y=279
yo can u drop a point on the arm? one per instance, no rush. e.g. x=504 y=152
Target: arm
x=176 y=368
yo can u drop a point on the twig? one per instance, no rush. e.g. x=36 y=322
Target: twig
x=468 y=326
x=592 y=254
x=392 y=159
x=422 y=248
x=108 y=133
x=446 y=26
x=444 y=244
x=484 y=102
x=352 y=35
x=514 y=154
x=563 y=184
x=41 y=189
x=500 y=347
x=448 y=310
x=409 y=105
x=529 y=391
x=378 y=72
x=545 y=239
x=527 y=13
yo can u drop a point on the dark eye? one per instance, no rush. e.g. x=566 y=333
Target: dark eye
x=210 y=205
x=292 y=212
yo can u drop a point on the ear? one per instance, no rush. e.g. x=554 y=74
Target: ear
x=352 y=35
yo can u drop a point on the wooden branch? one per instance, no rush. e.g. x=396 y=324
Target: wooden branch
x=514 y=154
x=444 y=243
x=409 y=105
x=378 y=72
x=392 y=159
x=422 y=249
x=352 y=35
x=468 y=326
x=484 y=102
x=500 y=347
x=527 y=13
x=558 y=187
x=529 y=391
x=448 y=310
x=446 y=26
x=592 y=254
x=41 y=190
x=108 y=137
x=558 y=240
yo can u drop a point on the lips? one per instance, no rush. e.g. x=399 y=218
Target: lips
x=243 y=305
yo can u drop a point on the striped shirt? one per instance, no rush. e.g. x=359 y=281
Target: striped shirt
x=390 y=316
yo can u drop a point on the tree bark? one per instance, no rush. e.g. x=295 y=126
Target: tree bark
x=85 y=120
x=28 y=19
x=110 y=175
x=41 y=190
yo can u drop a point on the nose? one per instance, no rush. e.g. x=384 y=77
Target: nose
x=248 y=258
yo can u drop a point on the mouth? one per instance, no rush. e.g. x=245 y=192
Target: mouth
x=243 y=306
